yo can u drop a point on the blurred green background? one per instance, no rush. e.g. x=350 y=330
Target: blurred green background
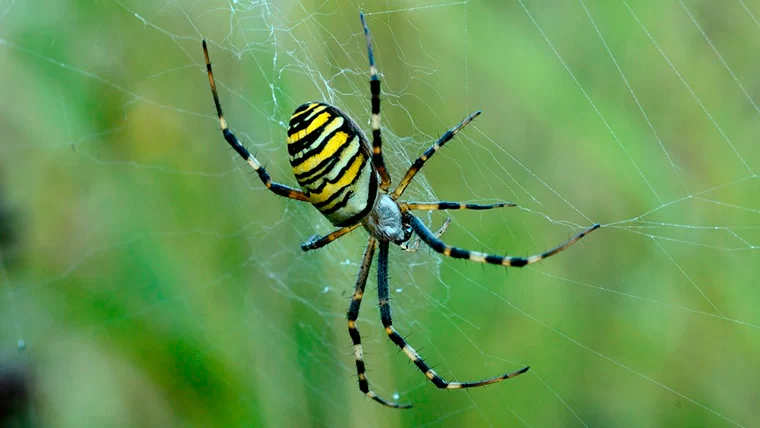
x=151 y=280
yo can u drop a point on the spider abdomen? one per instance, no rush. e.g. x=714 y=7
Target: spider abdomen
x=332 y=163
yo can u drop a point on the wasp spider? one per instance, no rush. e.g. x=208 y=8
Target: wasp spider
x=345 y=178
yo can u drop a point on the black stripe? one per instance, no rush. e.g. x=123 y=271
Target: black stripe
x=354 y=333
x=339 y=205
x=374 y=87
x=421 y=364
x=459 y=253
x=496 y=260
x=309 y=138
x=518 y=262
x=377 y=141
x=341 y=173
x=331 y=198
x=232 y=141
x=363 y=386
x=319 y=149
x=301 y=108
x=383 y=293
x=447 y=205
x=302 y=124
x=335 y=195
x=514 y=261
x=440 y=383
x=352 y=315
x=484 y=207
x=317 y=172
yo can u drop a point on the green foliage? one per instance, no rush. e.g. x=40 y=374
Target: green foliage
x=156 y=283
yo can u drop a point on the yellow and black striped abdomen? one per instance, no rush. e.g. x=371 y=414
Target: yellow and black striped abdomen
x=332 y=162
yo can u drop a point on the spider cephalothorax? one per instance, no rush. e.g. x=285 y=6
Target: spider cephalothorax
x=345 y=178
x=386 y=222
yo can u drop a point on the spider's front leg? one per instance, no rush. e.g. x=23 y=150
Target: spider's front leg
x=420 y=161
x=442 y=205
x=412 y=246
x=374 y=86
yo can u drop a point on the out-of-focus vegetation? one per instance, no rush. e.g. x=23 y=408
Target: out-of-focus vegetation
x=152 y=281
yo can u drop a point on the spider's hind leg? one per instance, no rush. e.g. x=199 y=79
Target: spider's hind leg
x=385 y=316
x=315 y=242
x=353 y=331
x=276 y=188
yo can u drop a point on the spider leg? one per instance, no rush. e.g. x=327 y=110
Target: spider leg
x=420 y=161
x=412 y=247
x=353 y=331
x=447 y=250
x=277 y=188
x=316 y=241
x=441 y=205
x=385 y=316
x=374 y=86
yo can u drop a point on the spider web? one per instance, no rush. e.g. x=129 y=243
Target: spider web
x=149 y=268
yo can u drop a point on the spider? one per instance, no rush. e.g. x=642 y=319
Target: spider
x=346 y=180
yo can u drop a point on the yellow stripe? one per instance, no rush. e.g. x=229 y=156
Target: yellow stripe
x=332 y=146
x=348 y=177
x=316 y=123
x=332 y=126
x=315 y=111
x=307 y=109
